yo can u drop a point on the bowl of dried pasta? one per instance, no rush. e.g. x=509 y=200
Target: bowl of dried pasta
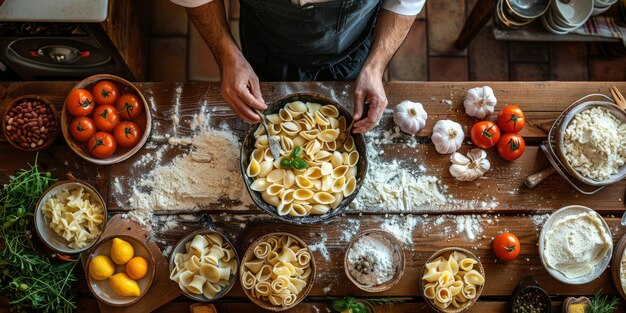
x=204 y=264
x=321 y=167
x=452 y=280
x=70 y=216
x=277 y=271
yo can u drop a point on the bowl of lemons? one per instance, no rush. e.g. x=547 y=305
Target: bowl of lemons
x=120 y=270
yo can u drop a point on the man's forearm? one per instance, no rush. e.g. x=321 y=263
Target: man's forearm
x=389 y=33
x=210 y=20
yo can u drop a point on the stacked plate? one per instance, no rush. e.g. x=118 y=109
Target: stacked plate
x=601 y=6
x=566 y=15
x=519 y=13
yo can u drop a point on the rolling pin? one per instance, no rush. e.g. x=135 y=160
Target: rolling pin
x=535 y=179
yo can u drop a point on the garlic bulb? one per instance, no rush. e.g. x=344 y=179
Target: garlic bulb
x=480 y=101
x=468 y=168
x=410 y=116
x=447 y=136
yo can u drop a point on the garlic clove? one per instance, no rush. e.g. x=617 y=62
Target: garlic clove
x=457 y=158
x=476 y=154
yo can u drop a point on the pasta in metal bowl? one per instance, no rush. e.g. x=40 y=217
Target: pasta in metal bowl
x=320 y=167
x=452 y=280
x=277 y=271
x=204 y=265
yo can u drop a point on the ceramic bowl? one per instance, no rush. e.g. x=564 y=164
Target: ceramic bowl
x=399 y=268
x=180 y=248
x=144 y=121
x=47 y=103
x=576 y=12
x=528 y=9
x=42 y=224
x=247 y=147
x=266 y=304
x=101 y=289
x=445 y=252
x=599 y=268
x=547 y=24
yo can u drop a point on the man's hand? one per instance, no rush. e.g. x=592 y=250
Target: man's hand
x=240 y=88
x=368 y=91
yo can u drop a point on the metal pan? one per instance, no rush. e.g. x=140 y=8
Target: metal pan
x=248 y=146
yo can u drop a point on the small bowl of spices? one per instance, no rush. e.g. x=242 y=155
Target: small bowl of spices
x=30 y=123
x=374 y=260
x=528 y=297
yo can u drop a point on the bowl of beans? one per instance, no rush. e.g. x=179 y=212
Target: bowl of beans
x=30 y=123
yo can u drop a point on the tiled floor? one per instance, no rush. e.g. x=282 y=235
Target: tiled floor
x=178 y=53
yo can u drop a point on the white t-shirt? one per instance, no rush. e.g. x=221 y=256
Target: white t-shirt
x=403 y=7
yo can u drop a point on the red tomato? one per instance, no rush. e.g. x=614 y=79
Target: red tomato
x=485 y=134
x=82 y=128
x=511 y=146
x=79 y=102
x=506 y=246
x=127 y=134
x=106 y=118
x=511 y=119
x=102 y=145
x=105 y=92
x=129 y=106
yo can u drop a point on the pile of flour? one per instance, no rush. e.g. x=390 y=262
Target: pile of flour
x=372 y=260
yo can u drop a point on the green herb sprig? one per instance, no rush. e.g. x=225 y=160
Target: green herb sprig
x=602 y=304
x=29 y=278
x=294 y=160
x=352 y=305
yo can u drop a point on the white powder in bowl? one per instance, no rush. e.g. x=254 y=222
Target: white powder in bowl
x=373 y=260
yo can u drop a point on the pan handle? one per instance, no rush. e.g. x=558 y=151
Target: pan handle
x=536 y=179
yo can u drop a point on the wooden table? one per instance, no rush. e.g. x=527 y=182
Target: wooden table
x=542 y=101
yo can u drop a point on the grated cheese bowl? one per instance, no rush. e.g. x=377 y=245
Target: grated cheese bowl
x=560 y=141
x=597 y=270
x=247 y=147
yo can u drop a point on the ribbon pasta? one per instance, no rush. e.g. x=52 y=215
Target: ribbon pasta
x=451 y=281
x=279 y=275
x=331 y=174
x=75 y=215
x=206 y=266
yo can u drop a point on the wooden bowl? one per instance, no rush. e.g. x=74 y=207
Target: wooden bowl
x=101 y=289
x=247 y=147
x=445 y=252
x=180 y=248
x=399 y=267
x=616 y=265
x=49 y=237
x=144 y=121
x=266 y=305
x=52 y=136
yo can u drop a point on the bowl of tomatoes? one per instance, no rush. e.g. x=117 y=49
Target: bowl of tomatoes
x=105 y=119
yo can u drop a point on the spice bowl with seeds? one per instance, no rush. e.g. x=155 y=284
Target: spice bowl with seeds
x=30 y=123
x=374 y=260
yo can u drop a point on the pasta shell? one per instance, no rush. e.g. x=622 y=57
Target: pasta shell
x=297 y=106
x=473 y=277
x=353 y=158
x=248 y=280
x=320 y=119
x=319 y=209
x=253 y=168
x=276 y=175
x=331 y=145
x=195 y=286
x=338 y=184
x=289 y=179
x=259 y=184
x=467 y=264
x=259 y=131
x=313 y=107
x=342 y=123
x=312 y=147
x=337 y=172
x=285 y=115
x=303 y=182
x=303 y=194
x=309 y=120
x=322 y=156
x=261 y=142
x=338 y=198
x=274 y=129
x=327 y=183
x=271 y=200
x=323 y=198
x=299 y=141
x=298 y=210
x=326 y=167
x=286 y=143
x=274 y=189
x=291 y=128
x=265 y=168
x=274 y=119
x=313 y=173
x=310 y=134
x=284 y=209
x=443 y=296
x=287 y=196
x=334 y=123
x=263 y=289
x=336 y=159
x=328 y=135
x=257 y=155
x=317 y=184
x=348 y=145
x=350 y=186
x=329 y=110
x=430 y=291
x=352 y=172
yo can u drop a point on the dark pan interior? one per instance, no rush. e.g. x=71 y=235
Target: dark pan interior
x=248 y=146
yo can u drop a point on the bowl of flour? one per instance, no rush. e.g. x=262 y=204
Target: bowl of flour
x=592 y=143
x=575 y=245
x=374 y=260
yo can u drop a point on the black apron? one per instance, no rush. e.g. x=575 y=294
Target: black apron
x=322 y=41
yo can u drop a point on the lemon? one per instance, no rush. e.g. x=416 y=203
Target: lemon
x=124 y=285
x=121 y=251
x=101 y=267
x=137 y=267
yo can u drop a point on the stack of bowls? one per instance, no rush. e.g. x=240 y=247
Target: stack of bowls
x=566 y=15
x=519 y=13
x=601 y=6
